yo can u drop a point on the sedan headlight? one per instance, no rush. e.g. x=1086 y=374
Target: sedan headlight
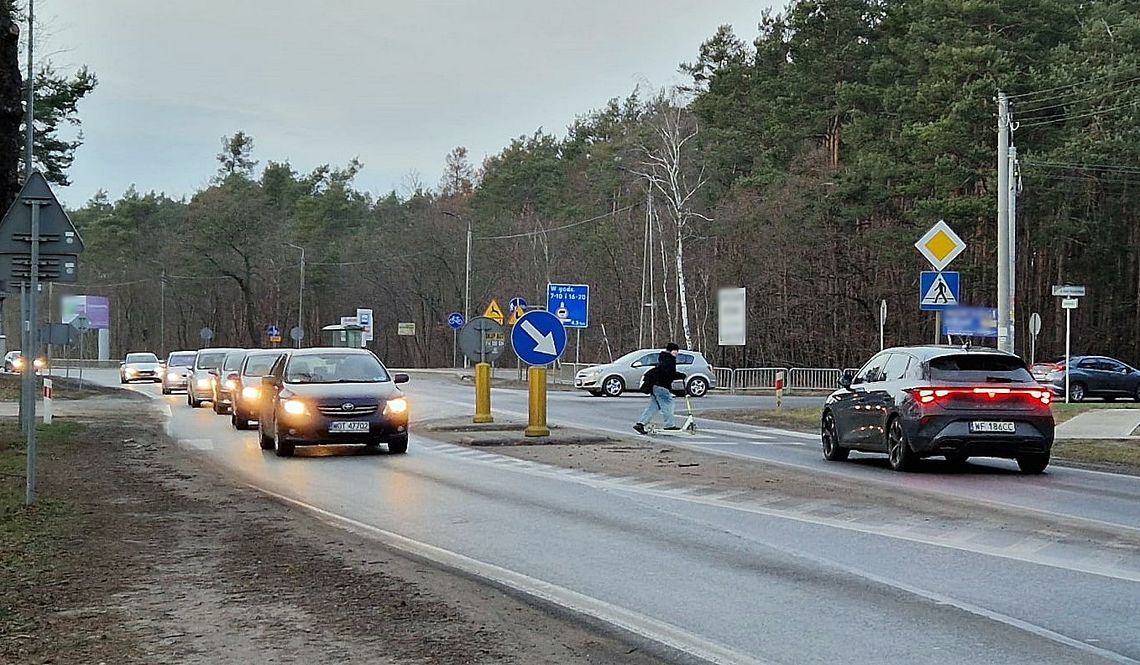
x=294 y=407
x=395 y=406
x=230 y=384
x=250 y=393
x=18 y=363
x=131 y=370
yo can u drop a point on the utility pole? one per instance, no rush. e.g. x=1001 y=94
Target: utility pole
x=1003 y=277
x=300 y=293
x=1014 y=187
x=29 y=122
x=466 y=275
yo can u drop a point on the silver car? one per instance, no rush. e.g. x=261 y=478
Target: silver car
x=207 y=365
x=179 y=369
x=612 y=379
x=140 y=367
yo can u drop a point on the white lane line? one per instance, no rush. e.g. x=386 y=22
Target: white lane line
x=666 y=634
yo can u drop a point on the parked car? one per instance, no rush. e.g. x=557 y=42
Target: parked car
x=246 y=393
x=140 y=367
x=612 y=379
x=1095 y=376
x=332 y=395
x=225 y=381
x=179 y=369
x=14 y=363
x=925 y=401
x=207 y=363
x=1041 y=371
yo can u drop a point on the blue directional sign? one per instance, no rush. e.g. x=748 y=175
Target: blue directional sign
x=570 y=303
x=970 y=322
x=273 y=331
x=538 y=338
x=938 y=291
x=516 y=304
x=455 y=320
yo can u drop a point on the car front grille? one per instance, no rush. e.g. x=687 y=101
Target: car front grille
x=338 y=409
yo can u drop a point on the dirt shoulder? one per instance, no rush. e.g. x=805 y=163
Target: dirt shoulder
x=136 y=554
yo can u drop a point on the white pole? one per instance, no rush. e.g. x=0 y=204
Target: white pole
x=1068 y=329
x=467 y=287
x=1003 y=223
x=1012 y=248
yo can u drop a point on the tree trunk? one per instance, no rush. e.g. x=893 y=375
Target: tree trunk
x=682 y=295
x=11 y=110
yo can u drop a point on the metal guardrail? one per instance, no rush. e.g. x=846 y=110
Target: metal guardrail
x=813 y=378
x=755 y=378
x=723 y=376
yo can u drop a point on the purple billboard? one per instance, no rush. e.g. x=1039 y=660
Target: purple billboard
x=97 y=309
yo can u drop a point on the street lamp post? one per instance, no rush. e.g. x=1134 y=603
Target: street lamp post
x=467 y=273
x=300 y=293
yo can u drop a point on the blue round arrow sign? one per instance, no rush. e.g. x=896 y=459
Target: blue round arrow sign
x=538 y=338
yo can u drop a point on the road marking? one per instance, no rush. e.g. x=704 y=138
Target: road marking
x=666 y=634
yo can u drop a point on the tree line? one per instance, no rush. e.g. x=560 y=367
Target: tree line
x=803 y=166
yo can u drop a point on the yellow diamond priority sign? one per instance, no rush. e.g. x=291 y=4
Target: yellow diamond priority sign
x=940 y=245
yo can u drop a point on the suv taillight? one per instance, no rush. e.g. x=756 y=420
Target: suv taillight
x=933 y=395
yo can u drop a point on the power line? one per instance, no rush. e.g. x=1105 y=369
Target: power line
x=1036 y=122
x=1066 y=87
x=1075 y=94
x=566 y=226
x=1108 y=168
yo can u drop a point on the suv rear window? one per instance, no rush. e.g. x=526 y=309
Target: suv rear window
x=979 y=368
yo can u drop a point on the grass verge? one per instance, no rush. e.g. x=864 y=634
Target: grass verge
x=29 y=536
x=1121 y=454
x=1063 y=412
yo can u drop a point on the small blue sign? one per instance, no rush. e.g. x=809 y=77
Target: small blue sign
x=938 y=291
x=570 y=303
x=516 y=304
x=455 y=320
x=970 y=322
x=273 y=331
x=538 y=338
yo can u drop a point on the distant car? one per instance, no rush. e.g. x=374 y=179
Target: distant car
x=179 y=369
x=332 y=395
x=246 y=393
x=1095 y=376
x=1041 y=371
x=14 y=363
x=613 y=379
x=207 y=364
x=140 y=367
x=225 y=381
x=926 y=401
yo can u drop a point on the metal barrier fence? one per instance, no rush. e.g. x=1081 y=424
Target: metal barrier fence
x=755 y=378
x=813 y=378
x=723 y=376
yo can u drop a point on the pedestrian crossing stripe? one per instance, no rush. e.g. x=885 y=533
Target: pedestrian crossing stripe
x=939 y=293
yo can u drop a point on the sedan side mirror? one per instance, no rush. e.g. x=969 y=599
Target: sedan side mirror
x=847 y=378
x=401 y=378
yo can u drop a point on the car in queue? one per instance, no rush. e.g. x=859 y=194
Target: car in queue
x=207 y=363
x=179 y=370
x=1095 y=376
x=953 y=402
x=613 y=379
x=14 y=363
x=246 y=393
x=224 y=382
x=332 y=395
x=140 y=367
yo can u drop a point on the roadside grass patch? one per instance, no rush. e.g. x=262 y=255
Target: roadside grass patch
x=1063 y=412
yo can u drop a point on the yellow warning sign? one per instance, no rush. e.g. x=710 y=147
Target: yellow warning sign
x=515 y=316
x=494 y=312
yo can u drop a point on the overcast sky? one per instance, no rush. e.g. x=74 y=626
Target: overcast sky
x=397 y=84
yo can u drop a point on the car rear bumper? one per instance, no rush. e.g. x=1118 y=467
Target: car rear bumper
x=950 y=433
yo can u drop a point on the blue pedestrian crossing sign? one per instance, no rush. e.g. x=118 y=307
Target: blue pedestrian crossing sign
x=538 y=338
x=455 y=320
x=938 y=291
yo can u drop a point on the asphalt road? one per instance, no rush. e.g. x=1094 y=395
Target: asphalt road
x=728 y=577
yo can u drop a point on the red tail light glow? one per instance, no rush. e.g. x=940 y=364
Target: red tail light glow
x=931 y=395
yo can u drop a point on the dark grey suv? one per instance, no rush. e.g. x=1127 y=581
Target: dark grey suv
x=940 y=401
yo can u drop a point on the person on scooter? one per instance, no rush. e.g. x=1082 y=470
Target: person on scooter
x=658 y=383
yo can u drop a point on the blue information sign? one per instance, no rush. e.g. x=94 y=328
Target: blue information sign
x=970 y=322
x=273 y=331
x=570 y=303
x=538 y=338
x=455 y=320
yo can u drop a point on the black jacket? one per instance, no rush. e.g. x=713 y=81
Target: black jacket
x=666 y=371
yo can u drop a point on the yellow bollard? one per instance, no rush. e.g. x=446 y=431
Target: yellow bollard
x=483 y=393
x=537 y=390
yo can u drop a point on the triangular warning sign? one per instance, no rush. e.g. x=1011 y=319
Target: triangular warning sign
x=494 y=312
x=939 y=293
x=515 y=316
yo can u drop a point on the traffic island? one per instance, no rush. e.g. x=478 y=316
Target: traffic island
x=504 y=432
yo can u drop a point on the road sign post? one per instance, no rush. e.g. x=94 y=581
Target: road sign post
x=82 y=324
x=940 y=246
x=539 y=339
x=482 y=341
x=570 y=303
x=1034 y=331
x=1070 y=296
x=882 y=324
x=455 y=322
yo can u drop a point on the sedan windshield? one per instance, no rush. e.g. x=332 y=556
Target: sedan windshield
x=259 y=365
x=211 y=360
x=142 y=358
x=335 y=367
x=186 y=360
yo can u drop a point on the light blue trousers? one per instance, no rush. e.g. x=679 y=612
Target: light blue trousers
x=661 y=401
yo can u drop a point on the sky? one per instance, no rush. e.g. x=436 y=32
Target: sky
x=395 y=84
